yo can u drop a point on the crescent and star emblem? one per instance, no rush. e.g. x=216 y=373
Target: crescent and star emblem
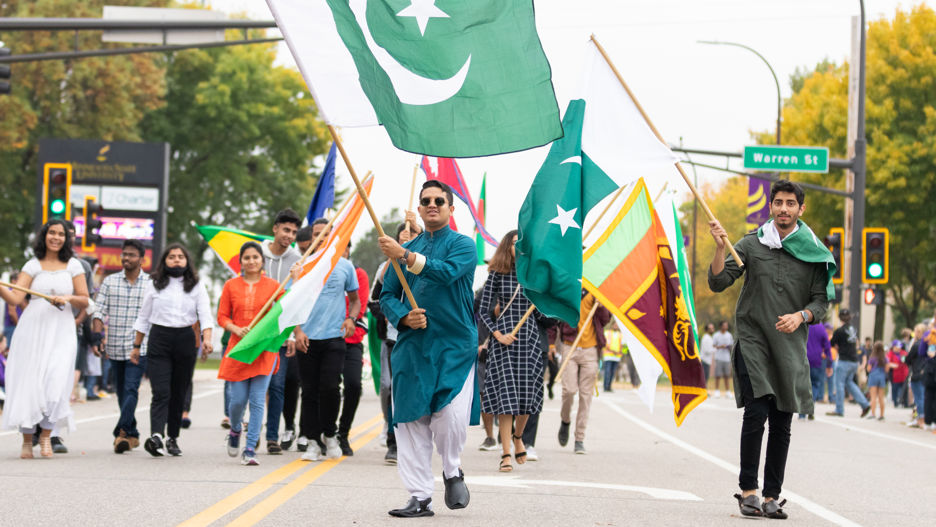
x=411 y=88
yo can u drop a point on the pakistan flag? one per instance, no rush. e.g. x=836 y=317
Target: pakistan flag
x=549 y=244
x=446 y=78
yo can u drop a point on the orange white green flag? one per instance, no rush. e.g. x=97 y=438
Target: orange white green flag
x=226 y=243
x=643 y=291
x=294 y=307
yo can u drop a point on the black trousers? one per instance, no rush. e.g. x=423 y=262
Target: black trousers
x=757 y=412
x=291 y=392
x=529 y=432
x=320 y=371
x=170 y=364
x=351 y=383
x=929 y=405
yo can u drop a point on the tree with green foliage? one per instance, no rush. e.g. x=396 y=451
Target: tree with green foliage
x=901 y=134
x=244 y=135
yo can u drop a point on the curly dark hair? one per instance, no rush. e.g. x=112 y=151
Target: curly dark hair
x=39 y=246
x=161 y=277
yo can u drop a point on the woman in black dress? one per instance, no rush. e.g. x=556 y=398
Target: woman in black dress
x=513 y=387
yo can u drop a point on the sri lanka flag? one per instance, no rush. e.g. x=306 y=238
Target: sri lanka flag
x=226 y=243
x=643 y=291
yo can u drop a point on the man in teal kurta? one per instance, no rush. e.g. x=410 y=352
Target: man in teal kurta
x=787 y=287
x=433 y=361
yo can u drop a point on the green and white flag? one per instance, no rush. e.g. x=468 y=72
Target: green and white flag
x=445 y=78
x=607 y=144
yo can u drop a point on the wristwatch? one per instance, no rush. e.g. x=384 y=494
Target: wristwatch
x=805 y=317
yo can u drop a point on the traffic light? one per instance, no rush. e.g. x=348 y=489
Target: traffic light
x=90 y=211
x=56 y=186
x=874 y=255
x=834 y=242
x=4 y=71
x=873 y=297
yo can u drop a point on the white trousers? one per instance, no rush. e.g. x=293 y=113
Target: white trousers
x=448 y=428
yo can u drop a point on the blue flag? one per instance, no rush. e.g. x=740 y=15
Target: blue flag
x=324 y=197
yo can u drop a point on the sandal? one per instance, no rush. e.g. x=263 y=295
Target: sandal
x=749 y=506
x=774 y=510
x=505 y=465
x=27 y=451
x=520 y=456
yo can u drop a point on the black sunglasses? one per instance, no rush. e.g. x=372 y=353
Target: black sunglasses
x=439 y=201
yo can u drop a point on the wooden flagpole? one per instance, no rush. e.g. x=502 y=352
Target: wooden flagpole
x=523 y=320
x=578 y=338
x=308 y=251
x=373 y=215
x=30 y=292
x=685 y=177
x=412 y=192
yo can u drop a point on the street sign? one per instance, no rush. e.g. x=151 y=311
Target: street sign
x=787 y=158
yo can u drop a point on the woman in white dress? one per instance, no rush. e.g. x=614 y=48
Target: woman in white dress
x=40 y=370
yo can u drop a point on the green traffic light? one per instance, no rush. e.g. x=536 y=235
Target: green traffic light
x=875 y=270
x=57 y=206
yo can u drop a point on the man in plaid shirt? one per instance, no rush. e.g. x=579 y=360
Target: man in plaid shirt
x=118 y=302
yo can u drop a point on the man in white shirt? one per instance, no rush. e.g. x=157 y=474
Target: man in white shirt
x=723 y=341
x=707 y=350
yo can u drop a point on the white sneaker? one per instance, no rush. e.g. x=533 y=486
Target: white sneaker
x=382 y=438
x=302 y=444
x=332 y=448
x=729 y=395
x=531 y=454
x=313 y=453
x=718 y=394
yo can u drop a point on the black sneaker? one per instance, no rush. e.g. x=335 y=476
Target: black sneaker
x=58 y=446
x=154 y=445
x=288 y=437
x=345 y=445
x=564 y=434
x=172 y=447
x=391 y=457
x=865 y=410
x=273 y=448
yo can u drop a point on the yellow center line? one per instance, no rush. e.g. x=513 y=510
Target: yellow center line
x=242 y=496
x=275 y=500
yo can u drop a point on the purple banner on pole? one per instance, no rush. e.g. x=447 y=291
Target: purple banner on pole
x=758 y=204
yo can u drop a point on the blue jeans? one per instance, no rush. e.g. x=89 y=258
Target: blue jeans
x=918 y=396
x=816 y=376
x=277 y=391
x=252 y=391
x=610 y=368
x=127 y=377
x=844 y=379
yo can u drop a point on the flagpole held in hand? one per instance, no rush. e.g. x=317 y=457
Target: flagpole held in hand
x=656 y=132
x=523 y=320
x=588 y=319
x=373 y=215
x=412 y=192
x=322 y=234
x=33 y=293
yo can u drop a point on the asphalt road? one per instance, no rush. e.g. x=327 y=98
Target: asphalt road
x=640 y=470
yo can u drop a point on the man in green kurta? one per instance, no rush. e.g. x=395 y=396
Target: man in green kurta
x=788 y=286
x=433 y=362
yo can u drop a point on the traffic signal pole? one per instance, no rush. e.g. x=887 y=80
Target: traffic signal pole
x=859 y=169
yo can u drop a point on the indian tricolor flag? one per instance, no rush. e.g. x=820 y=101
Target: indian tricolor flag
x=294 y=308
x=226 y=243
x=643 y=291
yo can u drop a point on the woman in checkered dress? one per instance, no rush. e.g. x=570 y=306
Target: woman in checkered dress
x=513 y=386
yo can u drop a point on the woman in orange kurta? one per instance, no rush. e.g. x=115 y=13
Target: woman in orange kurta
x=241 y=300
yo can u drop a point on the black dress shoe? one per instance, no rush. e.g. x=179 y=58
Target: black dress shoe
x=564 y=434
x=414 y=509
x=456 y=492
x=172 y=447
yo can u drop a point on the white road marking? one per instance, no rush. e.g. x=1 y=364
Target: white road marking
x=115 y=415
x=516 y=482
x=801 y=501
x=882 y=435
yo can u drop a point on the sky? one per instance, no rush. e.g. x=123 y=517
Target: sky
x=701 y=96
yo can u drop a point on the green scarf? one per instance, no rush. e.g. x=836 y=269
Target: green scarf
x=806 y=247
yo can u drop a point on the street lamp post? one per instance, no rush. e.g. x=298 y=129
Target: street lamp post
x=776 y=81
x=859 y=169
